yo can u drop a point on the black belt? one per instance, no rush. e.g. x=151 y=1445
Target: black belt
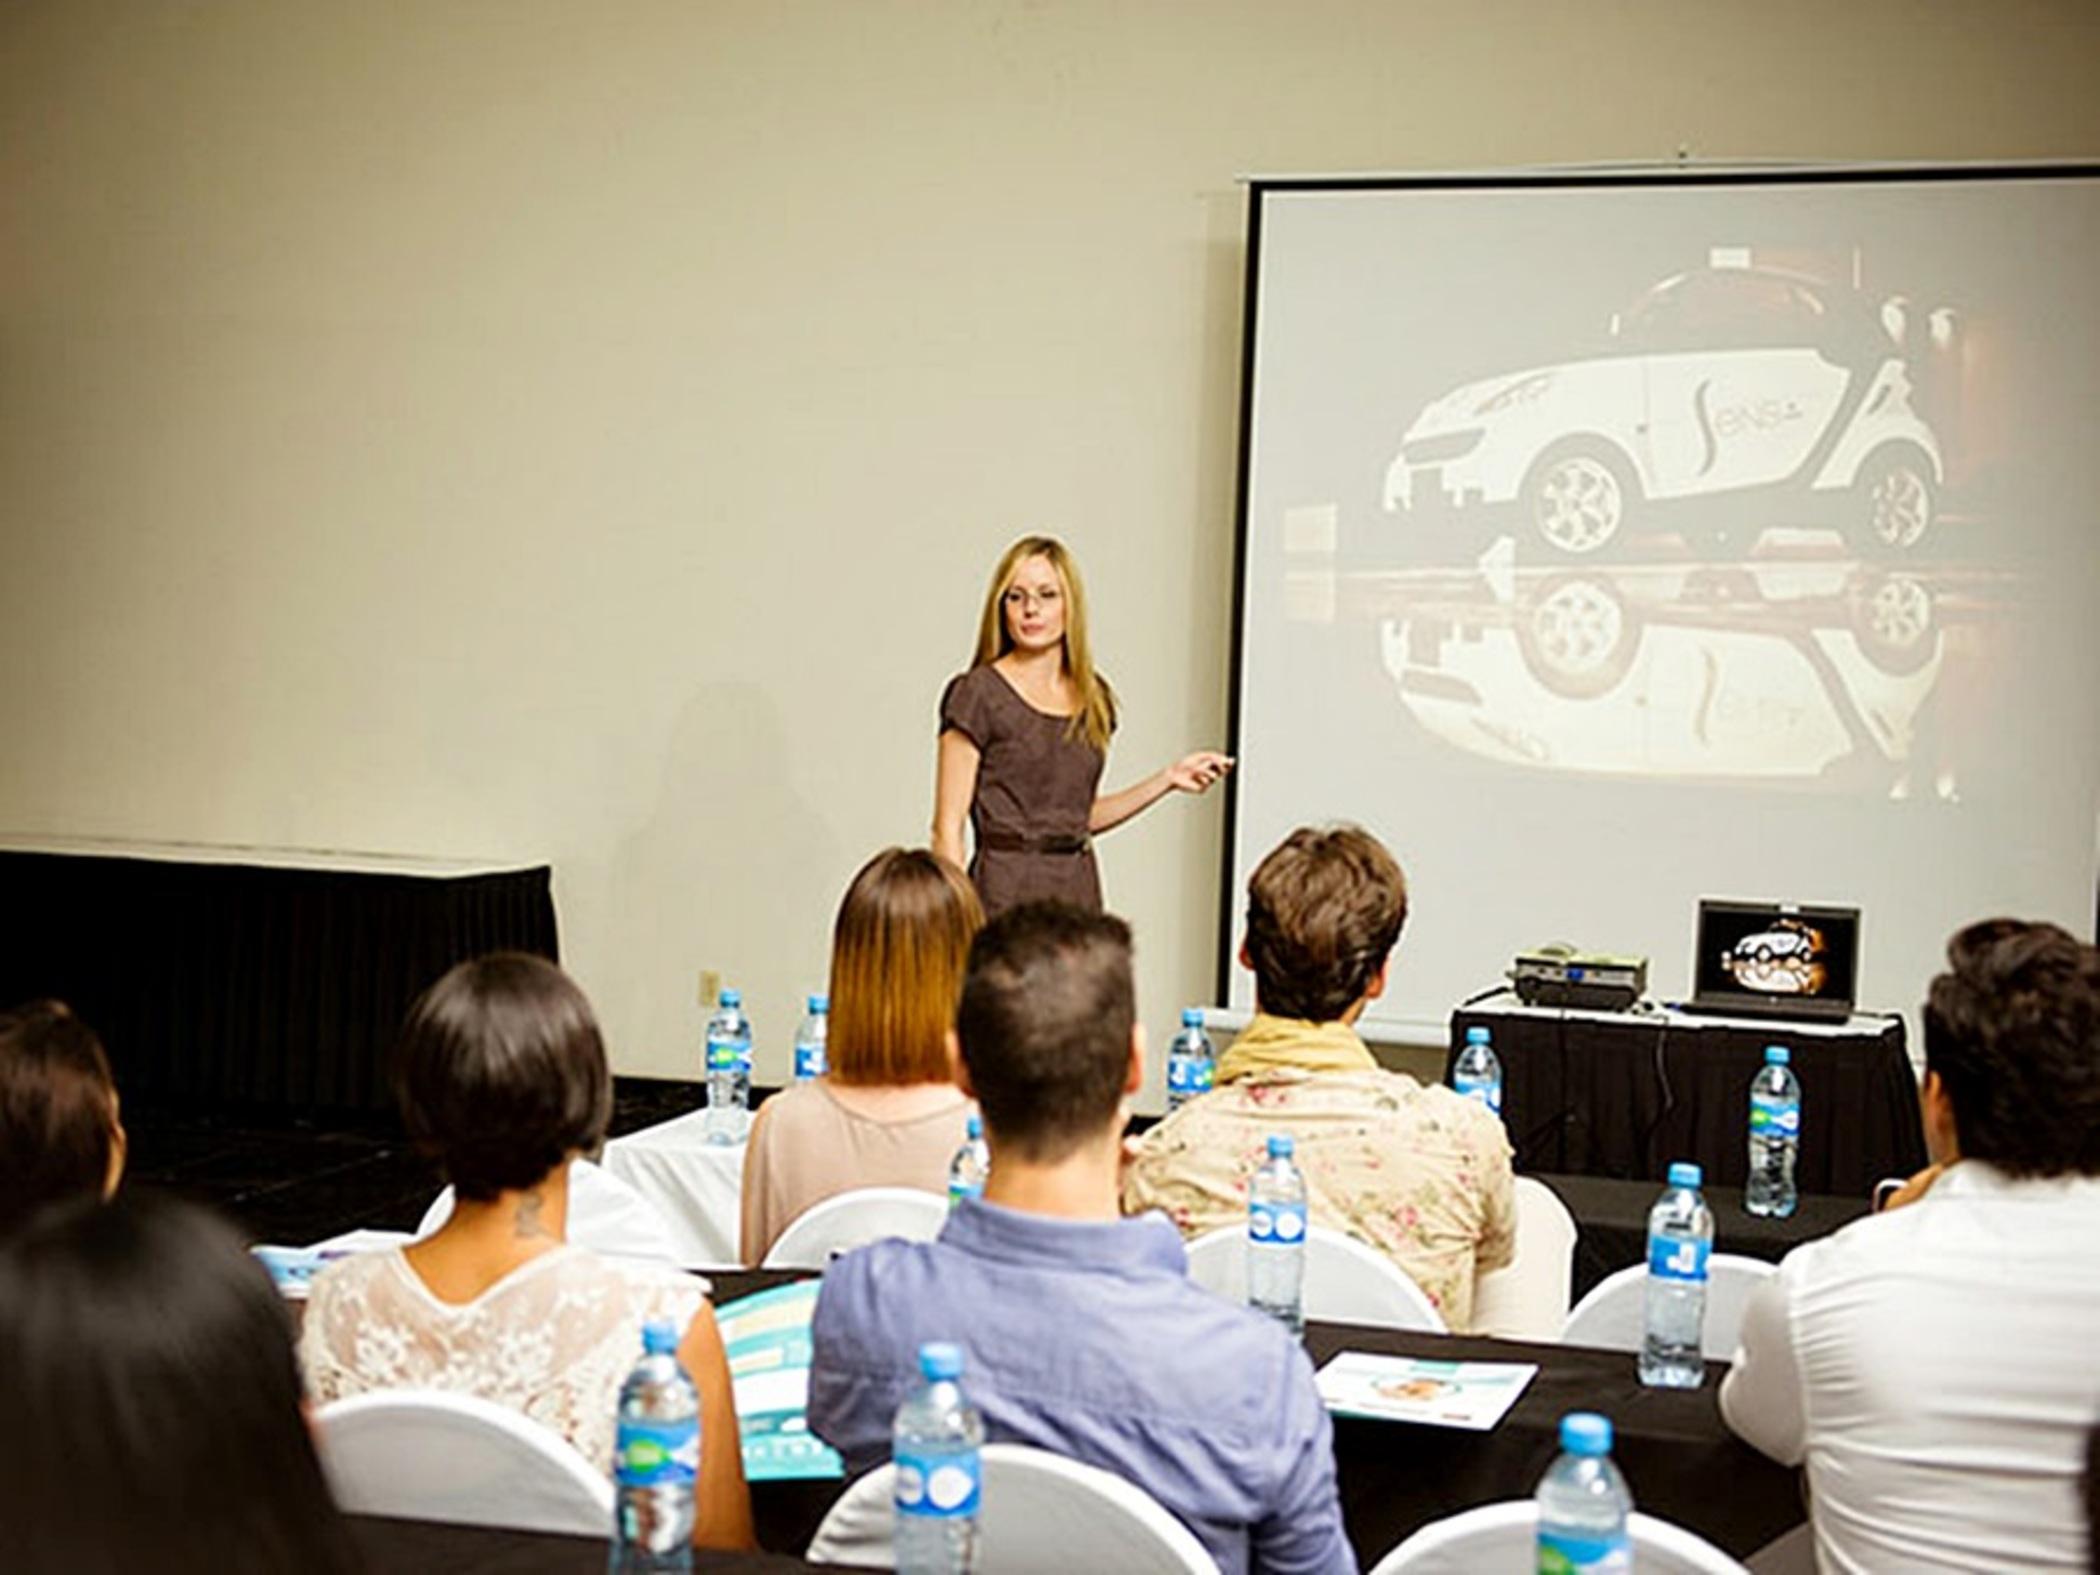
x=1014 y=842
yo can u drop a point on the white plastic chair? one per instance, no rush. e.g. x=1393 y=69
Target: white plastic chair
x=605 y=1215
x=853 y=1219
x=1527 y=1299
x=1345 y=1281
x=1610 y=1317
x=1502 y=1539
x=428 y=1454
x=1042 y=1515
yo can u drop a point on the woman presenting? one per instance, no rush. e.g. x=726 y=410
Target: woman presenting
x=1024 y=734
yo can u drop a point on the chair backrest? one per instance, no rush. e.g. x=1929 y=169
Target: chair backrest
x=1504 y=1537
x=428 y=1454
x=1042 y=1515
x=1345 y=1281
x=605 y=1215
x=1527 y=1298
x=853 y=1219
x=1610 y=1317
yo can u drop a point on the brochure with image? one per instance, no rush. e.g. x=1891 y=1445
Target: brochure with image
x=767 y=1338
x=1471 y=1395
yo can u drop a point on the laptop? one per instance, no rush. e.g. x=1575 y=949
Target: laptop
x=1773 y=959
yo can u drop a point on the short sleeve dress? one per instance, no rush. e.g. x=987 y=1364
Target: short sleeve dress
x=1035 y=789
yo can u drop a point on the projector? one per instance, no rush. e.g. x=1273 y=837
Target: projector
x=1594 y=981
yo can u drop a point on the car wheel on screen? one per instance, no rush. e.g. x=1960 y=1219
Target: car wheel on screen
x=1895 y=621
x=1580 y=499
x=1578 y=636
x=1893 y=502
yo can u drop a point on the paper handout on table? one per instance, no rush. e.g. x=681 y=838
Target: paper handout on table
x=767 y=1339
x=1472 y=1395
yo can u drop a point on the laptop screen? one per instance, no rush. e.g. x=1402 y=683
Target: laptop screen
x=1773 y=955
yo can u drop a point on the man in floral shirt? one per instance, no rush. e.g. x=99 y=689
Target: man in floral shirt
x=1418 y=1173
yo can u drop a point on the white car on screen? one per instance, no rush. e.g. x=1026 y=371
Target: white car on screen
x=1728 y=399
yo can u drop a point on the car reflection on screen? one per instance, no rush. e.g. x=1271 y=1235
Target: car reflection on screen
x=1786 y=959
x=1767 y=670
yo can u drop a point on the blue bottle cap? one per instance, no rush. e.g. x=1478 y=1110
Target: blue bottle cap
x=975 y=1125
x=1476 y=1036
x=1281 y=1146
x=1777 y=1055
x=1686 y=1174
x=1192 y=1017
x=731 y=998
x=1585 y=1433
x=820 y=1003
x=940 y=1359
x=659 y=1337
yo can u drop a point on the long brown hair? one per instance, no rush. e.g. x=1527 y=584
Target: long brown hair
x=58 y=1110
x=1095 y=719
x=897 y=955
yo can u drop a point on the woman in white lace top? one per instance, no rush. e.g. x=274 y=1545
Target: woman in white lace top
x=502 y=1078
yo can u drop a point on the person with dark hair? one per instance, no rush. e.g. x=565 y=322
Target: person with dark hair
x=60 y=1136
x=501 y=1078
x=1932 y=1365
x=1417 y=1173
x=1081 y=1331
x=149 y=1402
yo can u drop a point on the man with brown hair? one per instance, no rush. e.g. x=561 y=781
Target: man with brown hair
x=1081 y=1330
x=1417 y=1173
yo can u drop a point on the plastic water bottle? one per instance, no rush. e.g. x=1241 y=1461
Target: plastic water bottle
x=972 y=1163
x=656 y=1457
x=1775 y=1136
x=1680 y=1238
x=1191 y=1064
x=812 y=1040
x=1477 y=1073
x=936 y=1447
x=1276 y=1237
x=1583 y=1503
x=728 y=1071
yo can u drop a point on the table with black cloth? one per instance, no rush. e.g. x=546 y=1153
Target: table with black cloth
x=252 y=976
x=1611 y=1223
x=410 y=1545
x=1623 y=1094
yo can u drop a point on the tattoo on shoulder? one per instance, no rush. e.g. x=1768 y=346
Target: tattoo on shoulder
x=527 y=1220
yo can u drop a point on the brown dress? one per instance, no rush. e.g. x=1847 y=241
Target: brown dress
x=1035 y=789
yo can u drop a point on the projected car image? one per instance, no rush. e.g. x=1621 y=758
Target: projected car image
x=1753 y=672
x=1719 y=390
x=1786 y=959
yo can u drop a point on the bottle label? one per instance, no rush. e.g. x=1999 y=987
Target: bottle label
x=656 y=1454
x=1277 y=1224
x=1488 y=1090
x=809 y=1061
x=939 y=1486
x=959 y=1190
x=1561 y=1554
x=1178 y=1073
x=1677 y=1258
x=727 y=1055
x=1774 y=1117
x=1201 y=1072
x=1189 y=1075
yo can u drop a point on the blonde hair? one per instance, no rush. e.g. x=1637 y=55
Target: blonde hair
x=897 y=955
x=1095 y=719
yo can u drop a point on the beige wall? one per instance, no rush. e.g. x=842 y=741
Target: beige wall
x=579 y=432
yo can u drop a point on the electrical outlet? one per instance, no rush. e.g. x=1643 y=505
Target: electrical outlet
x=710 y=987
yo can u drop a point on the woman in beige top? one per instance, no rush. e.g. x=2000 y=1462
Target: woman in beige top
x=889 y=1113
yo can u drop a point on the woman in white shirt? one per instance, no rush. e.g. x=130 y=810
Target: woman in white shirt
x=501 y=1077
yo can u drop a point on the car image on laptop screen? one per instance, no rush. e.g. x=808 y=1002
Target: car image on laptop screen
x=1788 y=958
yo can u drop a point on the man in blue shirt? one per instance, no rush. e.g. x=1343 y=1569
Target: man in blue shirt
x=1081 y=1331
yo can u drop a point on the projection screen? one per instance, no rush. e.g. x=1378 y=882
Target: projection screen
x=1610 y=540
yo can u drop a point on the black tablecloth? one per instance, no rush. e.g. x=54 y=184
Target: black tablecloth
x=1611 y=1223
x=403 y=1547
x=231 y=983
x=1624 y=1094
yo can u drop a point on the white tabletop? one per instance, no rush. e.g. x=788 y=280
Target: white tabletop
x=695 y=1186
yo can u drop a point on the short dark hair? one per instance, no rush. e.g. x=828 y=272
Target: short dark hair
x=1047 y=1006
x=501 y=1073
x=142 y=1348
x=58 y=1110
x=1324 y=912
x=2013 y=1030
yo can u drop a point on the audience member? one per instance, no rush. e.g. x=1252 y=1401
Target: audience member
x=1081 y=1331
x=501 y=1077
x=149 y=1402
x=1418 y=1173
x=1933 y=1364
x=889 y=1113
x=59 y=1132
